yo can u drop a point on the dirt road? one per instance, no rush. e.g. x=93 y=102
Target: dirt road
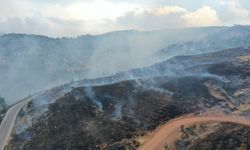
x=169 y=132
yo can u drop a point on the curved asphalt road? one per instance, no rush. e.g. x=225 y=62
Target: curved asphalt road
x=9 y=121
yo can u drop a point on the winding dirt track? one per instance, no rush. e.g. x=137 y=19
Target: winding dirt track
x=169 y=132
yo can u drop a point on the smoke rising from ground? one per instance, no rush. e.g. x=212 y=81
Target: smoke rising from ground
x=91 y=94
x=30 y=63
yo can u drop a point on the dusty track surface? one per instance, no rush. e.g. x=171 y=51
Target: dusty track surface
x=168 y=133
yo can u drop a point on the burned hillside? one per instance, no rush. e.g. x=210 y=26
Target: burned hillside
x=114 y=116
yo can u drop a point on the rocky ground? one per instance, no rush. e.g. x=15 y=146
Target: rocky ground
x=215 y=136
x=114 y=116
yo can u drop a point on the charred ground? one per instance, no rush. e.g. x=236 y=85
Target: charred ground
x=215 y=136
x=114 y=116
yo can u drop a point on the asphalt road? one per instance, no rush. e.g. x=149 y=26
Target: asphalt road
x=9 y=121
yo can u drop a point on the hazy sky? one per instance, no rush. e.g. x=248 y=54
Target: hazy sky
x=76 y=17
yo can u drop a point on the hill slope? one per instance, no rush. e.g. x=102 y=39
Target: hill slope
x=114 y=116
x=30 y=63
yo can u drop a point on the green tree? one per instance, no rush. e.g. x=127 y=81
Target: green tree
x=2 y=103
